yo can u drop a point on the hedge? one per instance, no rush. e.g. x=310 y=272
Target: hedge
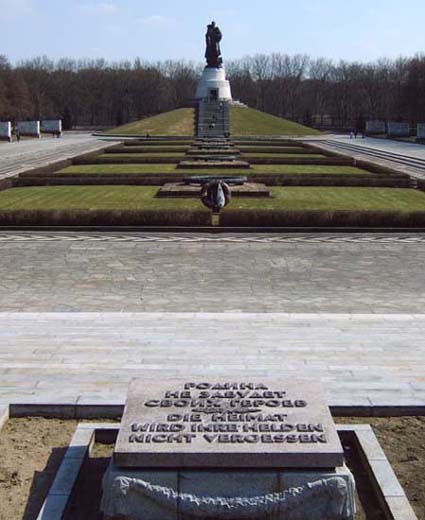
x=282 y=218
x=158 y=179
x=126 y=160
x=268 y=142
x=98 y=180
x=304 y=160
x=105 y=218
x=276 y=149
x=155 y=144
x=146 y=149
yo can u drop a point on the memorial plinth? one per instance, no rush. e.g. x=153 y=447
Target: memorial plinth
x=213 y=84
x=227 y=450
x=220 y=424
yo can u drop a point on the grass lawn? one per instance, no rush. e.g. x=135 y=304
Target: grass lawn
x=141 y=155
x=243 y=121
x=331 y=198
x=176 y=122
x=143 y=197
x=261 y=155
x=91 y=197
x=110 y=169
x=247 y=121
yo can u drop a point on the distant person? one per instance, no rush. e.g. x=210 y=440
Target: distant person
x=18 y=135
x=355 y=133
x=351 y=134
x=361 y=126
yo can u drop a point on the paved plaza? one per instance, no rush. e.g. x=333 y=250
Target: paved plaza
x=84 y=313
x=32 y=153
x=89 y=358
x=132 y=273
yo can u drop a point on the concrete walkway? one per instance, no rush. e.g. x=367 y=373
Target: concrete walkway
x=74 y=272
x=387 y=145
x=32 y=153
x=89 y=358
x=406 y=157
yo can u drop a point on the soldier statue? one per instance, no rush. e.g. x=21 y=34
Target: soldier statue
x=213 y=52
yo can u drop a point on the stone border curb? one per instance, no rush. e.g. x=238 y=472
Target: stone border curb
x=57 y=500
x=386 y=485
x=4 y=414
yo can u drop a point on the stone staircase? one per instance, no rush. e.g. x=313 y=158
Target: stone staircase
x=213 y=119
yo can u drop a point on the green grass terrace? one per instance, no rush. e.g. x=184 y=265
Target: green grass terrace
x=141 y=169
x=243 y=122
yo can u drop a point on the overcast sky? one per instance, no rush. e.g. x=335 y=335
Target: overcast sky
x=172 y=29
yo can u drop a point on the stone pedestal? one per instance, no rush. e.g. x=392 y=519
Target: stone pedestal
x=227 y=450
x=213 y=85
x=231 y=495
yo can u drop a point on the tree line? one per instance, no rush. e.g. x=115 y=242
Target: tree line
x=316 y=92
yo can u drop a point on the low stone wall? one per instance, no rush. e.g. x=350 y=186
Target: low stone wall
x=375 y=128
x=29 y=128
x=51 y=126
x=5 y=131
x=398 y=130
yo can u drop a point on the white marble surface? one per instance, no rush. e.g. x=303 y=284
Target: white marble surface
x=214 y=79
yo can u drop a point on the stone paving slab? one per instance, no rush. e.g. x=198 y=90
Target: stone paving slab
x=16 y=157
x=389 y=153
x=140 y=273
x=90 y=358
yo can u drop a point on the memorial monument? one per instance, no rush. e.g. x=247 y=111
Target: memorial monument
x=227 y=450
x=213 y=85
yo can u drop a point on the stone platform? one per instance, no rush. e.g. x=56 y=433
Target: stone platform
x=211 y=150
x=216 y=164
x=180 y=189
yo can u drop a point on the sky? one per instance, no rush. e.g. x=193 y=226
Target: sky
x=360 y=30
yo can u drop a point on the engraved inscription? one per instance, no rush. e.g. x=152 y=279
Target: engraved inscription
x=226 y=413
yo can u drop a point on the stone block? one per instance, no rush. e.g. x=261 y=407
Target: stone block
x=4 y=414
x=29 y=128
x=420 y=134
x=5 y=131
x=400 y=508
x=80 y=444
x=398 y=129
x=386 y=478
x=375 y=127
x=51 y=126
x=223 y=424
x=66 y=476
x=53 y=508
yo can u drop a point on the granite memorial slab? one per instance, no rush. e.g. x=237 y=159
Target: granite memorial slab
x=51 y=126
x=375 y=127
x=5 y=131
x=398 y=129
x=29 y=128
x=225 y=424
x=421 y=131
